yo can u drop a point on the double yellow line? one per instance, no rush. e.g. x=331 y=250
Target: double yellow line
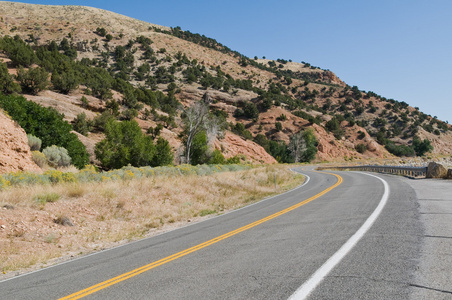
x=167 y=259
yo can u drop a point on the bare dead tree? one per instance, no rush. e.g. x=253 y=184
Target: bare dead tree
x=212 y=127
x=197 y=116
x=297 y=146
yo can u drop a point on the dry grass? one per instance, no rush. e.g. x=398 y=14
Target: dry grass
x=107 y=213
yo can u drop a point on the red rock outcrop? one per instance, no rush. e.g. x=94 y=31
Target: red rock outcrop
x=232 y=145
x=330 y=148
x=15 y=154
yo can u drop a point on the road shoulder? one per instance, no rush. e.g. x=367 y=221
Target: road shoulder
x=432 y=277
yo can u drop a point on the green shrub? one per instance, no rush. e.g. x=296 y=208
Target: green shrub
x=282 y=117
x=206 y=212
x=199 y=149
x=46 y=197
x=55 y=176
x=361 y=135
x=21 y=178
x=34 y=142
x=217 y=157
x=100 y=121
x=46 y=124
x=18 y=51
x=7 y=83
x=33 y=81
x=84 y=101
x=57 y=156
x=163 y=154
x=129 y=114
x=81 y=124
x=66 y=81
x=332 y=124
x=279 y=151
x=238 y=113
x=311 y=145
x=101 y=31
x=361 y=148
x=99 y=81
x=239 y=129
x=338 y=133
x=399 y=150
x=4 y=183
x=250 y=110
x=125 y=144
x=421 y=147
x=39 y=158
x=90 y=174
x=235 y=160
x=261 y=140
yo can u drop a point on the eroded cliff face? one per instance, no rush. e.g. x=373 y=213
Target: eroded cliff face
x=15 y=154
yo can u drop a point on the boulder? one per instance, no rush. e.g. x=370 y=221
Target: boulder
x=372 y=146
x=435 y=170
x=449 y=174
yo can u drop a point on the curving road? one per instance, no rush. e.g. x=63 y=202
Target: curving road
x=263 y=251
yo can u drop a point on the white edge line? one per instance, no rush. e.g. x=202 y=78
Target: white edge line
x=162 y=233
x=303 y=291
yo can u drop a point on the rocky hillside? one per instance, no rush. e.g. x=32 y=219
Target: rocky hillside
x=148 y=73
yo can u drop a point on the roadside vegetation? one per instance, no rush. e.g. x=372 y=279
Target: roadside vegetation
x=99 y=210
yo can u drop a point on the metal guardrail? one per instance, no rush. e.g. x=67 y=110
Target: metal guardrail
x=405 y=171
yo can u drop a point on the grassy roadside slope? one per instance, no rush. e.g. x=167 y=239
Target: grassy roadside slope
x=41 y=223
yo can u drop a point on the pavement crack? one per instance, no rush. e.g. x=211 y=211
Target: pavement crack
x=433 y=200
x=398 y=282
x=424 y=213
x=369 y=278
x=438 y=236
x=429 y=288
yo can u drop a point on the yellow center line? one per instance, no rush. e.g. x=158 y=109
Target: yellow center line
x=167 y=259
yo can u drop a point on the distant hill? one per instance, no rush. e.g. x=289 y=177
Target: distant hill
x=134 y=70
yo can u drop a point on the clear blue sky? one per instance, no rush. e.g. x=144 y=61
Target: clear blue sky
x=399 y=49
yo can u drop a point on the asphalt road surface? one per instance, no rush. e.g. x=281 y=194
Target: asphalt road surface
x=264 y=251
